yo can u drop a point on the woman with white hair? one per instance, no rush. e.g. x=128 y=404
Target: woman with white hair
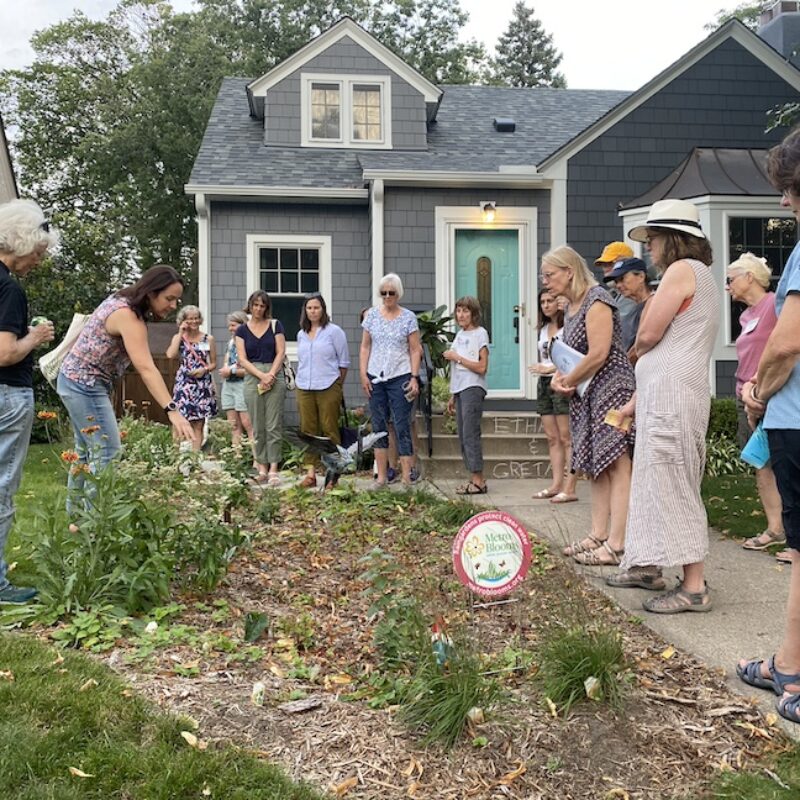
x=193 y=392
x=747 y=282
x=24 y=239
x=389 y=365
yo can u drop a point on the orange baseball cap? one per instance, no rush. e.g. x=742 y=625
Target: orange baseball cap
x=613 y=252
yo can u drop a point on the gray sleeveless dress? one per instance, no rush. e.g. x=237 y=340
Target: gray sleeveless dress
x=667 y=523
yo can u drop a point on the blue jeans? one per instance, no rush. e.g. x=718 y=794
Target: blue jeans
x=16 y=421
x=94 y=426
x=386 y=396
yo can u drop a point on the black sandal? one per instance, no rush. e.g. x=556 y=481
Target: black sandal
x=472 y=488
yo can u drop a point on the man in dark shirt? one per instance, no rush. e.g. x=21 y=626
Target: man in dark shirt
x=24 y=239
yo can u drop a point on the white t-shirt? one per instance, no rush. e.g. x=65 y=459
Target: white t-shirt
x=545 y=343
x=468 y=344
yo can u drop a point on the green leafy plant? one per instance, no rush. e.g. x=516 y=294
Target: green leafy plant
x=268 y=509
x=255 y=623
x=571 y=656
x=434 y=331
x=722 y=419
x=723 y=458
x=440 y=393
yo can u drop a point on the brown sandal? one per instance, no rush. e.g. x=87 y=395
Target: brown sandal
x=580 y=547
x=603 y=556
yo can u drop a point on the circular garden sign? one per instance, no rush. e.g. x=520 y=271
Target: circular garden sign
x=491 y=553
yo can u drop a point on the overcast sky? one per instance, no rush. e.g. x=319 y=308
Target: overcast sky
x=616 y=44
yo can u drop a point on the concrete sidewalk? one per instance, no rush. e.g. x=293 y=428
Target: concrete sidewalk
x=749 y=589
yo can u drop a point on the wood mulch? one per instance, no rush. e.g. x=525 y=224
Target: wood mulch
x=680 y=725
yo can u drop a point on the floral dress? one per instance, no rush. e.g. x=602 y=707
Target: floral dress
x=194 y=396
x=596 y=445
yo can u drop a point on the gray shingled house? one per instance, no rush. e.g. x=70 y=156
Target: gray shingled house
x=342 y=164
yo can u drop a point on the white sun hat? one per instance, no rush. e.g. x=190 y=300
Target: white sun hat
x=676 y=215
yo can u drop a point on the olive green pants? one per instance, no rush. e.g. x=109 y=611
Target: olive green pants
x=266 y=413
x=319 y=415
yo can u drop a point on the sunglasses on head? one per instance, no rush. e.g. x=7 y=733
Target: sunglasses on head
x=45 y=226
x=388 y=292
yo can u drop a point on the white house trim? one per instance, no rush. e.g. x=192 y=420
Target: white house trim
x=557 y=176
x=448 y=219
x=377 y=226
x=216 y=192
x=255 y=241
x=8 y=182
x=522 y=180
x=715 y=213
x=203 y=256
x=345 y=83
x=731 y=30
x=346 y=27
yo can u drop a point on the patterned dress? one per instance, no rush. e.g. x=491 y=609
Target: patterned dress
x=667 y=523
x=194 y=396
x=596 y=445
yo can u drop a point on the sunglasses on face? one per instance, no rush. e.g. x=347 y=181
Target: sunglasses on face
x=730 y=279
x=388 y=292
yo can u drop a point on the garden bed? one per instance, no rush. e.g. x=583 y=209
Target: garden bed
x=679 y=726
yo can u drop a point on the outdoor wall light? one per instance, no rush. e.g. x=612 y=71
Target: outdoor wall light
x=488 y=209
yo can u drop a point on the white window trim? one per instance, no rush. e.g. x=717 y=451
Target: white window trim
x=255 y=241
x=345 y=83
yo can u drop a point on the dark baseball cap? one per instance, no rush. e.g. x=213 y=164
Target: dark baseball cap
x=626 y=265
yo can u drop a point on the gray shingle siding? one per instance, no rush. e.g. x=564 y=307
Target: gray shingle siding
x=719 y=102
x=410 y=234
x=348 y=227
x=282 y=115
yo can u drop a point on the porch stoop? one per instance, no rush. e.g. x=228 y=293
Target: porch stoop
x=514 y=446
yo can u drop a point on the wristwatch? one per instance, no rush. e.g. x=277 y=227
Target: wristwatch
x=171 y=406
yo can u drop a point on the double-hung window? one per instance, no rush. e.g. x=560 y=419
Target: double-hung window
x=346 y=111
x=287 y=268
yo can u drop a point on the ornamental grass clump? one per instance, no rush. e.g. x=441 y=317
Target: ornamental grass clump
x=582 y=661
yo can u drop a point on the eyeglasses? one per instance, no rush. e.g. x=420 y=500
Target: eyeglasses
x=388 y=292
x=650 y=236
x=547 y=275
x=731 y=278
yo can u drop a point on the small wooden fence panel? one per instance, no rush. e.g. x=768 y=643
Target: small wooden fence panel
x=132 y=388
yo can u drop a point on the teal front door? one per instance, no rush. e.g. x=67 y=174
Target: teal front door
x=487 y=267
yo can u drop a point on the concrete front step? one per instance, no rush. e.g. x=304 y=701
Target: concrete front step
x=493 y=422
x=514 y=446
x=494 y=445
x=494 y=468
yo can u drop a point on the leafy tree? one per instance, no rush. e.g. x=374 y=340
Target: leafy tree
x=108 y=118
x=747 y=13
x=525 y=53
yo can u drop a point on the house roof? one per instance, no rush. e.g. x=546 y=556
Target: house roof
x=712 y=171
x=733 y=29
x=346 y=26
x=233 y=151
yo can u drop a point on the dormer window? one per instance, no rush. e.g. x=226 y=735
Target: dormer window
x=346 y=111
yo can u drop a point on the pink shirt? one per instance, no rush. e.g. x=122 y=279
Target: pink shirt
x=757 y=323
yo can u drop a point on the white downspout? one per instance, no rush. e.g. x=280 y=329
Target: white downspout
x=203 y=257
x=376 y=222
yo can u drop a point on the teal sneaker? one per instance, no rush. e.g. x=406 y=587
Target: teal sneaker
x=17 y=595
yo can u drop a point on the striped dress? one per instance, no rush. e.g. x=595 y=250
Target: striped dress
x=667 y=523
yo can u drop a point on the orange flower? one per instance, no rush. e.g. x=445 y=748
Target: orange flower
x=69 y=456
x=123 y=435
x=47 y=415
x=90 y=429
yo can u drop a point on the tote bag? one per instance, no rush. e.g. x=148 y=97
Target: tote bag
x=50 y=363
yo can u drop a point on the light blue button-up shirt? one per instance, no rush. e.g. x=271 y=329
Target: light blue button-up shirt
x=320 y=359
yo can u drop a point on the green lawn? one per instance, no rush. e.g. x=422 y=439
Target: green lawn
x=78 y=714
x=44 y=478
x=733 y=506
